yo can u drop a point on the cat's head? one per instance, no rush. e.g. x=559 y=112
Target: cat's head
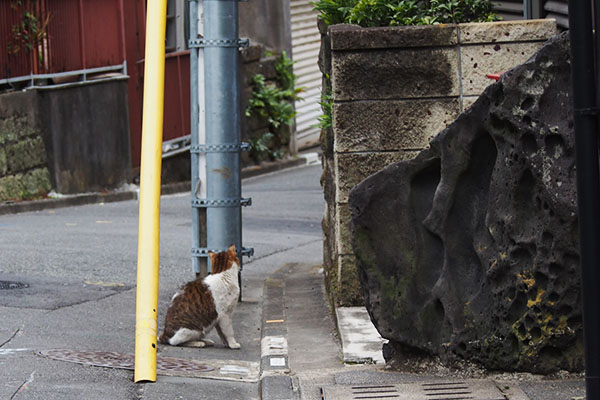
x=224 y=260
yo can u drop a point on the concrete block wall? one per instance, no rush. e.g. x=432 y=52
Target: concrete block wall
x=394 y=89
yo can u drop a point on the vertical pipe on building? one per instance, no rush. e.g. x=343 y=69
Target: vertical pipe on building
x=149 y=211
x=527 y=9
x=82 y=35
x=194 y=114
x=122 y=47
x=180 y=90
x=221 y=44
x=585 y=116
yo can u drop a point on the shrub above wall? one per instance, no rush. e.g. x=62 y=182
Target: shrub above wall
x=370 y=13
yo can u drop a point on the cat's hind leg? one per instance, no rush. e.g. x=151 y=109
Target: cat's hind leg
x=186 y=336
x=225 y=331
x=190 y=338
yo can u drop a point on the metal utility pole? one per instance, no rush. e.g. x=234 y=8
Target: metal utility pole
x=149 y=212
x=585 y=116
x=216 y=145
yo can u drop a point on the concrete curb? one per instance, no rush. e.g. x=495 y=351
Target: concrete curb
x=361 y=343
x=109 y=197
x=275 y=384
x=75 y=200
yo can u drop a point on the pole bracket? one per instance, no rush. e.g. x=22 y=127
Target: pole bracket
x=199 y=43
x=203 y=251
x=220 y=148
x=206 y=203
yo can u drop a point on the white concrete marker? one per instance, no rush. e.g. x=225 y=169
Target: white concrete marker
x=361 y=343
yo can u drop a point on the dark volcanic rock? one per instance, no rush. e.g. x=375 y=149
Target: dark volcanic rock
x=471 y=249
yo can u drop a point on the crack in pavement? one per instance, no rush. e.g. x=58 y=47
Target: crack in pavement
x=10 y=338
x=283 y=250
x=23 y=385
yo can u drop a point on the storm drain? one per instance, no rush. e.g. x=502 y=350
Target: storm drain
x=13 y=285
x=211 y=369
x=111 y=359
x=456 y=390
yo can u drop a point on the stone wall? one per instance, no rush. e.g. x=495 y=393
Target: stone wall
x=394 y=89
x=23 y=163
x=72 y=138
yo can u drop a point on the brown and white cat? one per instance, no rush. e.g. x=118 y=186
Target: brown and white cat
x=205 y=303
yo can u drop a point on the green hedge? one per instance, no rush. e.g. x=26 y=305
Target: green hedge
x=369 y=13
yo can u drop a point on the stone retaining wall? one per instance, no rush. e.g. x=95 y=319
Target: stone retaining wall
x=72 y=138
x=23 y=164
x=394 y=89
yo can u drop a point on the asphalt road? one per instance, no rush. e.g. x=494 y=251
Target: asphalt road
x=80 y=265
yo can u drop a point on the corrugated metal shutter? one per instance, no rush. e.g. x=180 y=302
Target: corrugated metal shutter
x=306 y=42
x=509 y=9
x=555 y=9
x=559 y=10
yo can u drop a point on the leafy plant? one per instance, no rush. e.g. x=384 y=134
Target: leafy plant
x=334 y=11
x=273 y=101
x=30 y=32
x=270 y=102
x=456 y=11
x=260 y=148
x=369 y=13
x=285 y=76
x=326 y=119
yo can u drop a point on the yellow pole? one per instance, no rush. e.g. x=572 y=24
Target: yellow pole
x=148 y=232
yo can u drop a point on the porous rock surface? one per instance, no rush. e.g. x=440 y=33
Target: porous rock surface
x=471 y=249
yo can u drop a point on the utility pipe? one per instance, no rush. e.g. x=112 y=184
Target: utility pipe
x=221 y=44
x=198 y=136
x=585 y=116
x=149 y=211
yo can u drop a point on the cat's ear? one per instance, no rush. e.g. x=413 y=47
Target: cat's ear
x=211 y=257
x=231 y=251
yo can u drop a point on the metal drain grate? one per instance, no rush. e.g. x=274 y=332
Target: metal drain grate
x=13 y=285
x=375 y=392
x=454 y=390
x=111 y=359
x=447 y=391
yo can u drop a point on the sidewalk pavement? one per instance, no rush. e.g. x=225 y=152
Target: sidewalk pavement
x=70 y=317
x=131 y=192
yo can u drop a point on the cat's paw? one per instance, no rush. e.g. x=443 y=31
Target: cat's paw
x=234 y=345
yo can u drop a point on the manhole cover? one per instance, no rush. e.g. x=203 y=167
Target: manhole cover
x=112 y=359
x=13 y=285
x=458 y=390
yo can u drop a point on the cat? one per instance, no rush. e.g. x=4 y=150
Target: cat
x=205 y=303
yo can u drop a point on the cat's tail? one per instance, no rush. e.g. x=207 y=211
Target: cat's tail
x=164 y=338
